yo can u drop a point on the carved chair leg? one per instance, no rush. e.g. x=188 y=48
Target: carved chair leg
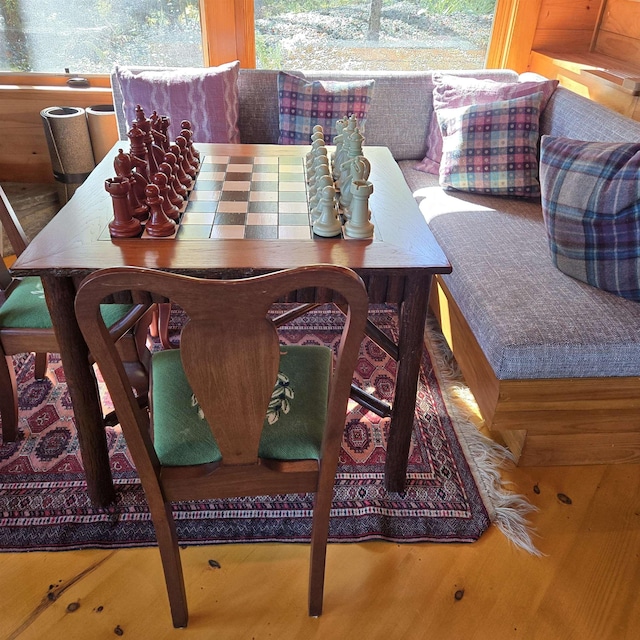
x=172 y=565
x=164 y=314
x=42 y=362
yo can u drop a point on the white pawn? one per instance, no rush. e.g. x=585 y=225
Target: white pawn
x=317 y=144
x=314 y=201
x=327 y=225
x=359 y=225
x=319 y=161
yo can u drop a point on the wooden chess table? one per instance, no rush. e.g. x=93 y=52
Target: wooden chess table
x=397 y=266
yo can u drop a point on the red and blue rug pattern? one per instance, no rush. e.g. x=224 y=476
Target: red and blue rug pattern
x=44 y=504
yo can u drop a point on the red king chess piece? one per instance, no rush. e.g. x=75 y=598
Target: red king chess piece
x=154 y=152
x=158 y=225
x=123 y=225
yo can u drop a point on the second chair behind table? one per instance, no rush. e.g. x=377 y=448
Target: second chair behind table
x=233 y=412
x=25 y=326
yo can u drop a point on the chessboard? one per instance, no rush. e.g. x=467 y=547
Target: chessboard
x=245 y=197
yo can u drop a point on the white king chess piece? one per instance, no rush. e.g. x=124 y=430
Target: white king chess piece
x=359 y=225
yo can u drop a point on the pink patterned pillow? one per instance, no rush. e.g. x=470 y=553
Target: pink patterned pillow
x=207 y=97
x=455 y=91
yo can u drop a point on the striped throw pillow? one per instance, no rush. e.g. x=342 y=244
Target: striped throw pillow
x=591 y=208
x=303 y=104
x=492 y=148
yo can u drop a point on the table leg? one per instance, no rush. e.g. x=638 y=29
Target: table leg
x=83 y=389
x=413 y=314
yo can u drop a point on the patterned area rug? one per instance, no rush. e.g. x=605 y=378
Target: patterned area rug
x=449 y=496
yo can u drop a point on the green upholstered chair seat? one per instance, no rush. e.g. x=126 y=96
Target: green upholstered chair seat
x=293 y=426
x=26 y=308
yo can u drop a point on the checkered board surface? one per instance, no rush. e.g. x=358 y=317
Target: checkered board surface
x=263 y=197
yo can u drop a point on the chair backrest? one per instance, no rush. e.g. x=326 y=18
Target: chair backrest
x=229 y=347
x=11 y=225
x=15 y=233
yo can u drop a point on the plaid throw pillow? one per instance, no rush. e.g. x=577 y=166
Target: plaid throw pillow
x=492 y=148
x=303 y=104
x=451 y=91
x=591 y=207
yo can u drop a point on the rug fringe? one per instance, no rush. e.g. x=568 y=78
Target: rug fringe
x=508 y=511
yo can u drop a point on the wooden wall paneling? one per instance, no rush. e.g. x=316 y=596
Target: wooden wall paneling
x=579 y=15
x=566 y=25
x=228 y=32
x=574 y=72
x=515 y=23
x=621 y=17
x=562 y=40
x=24 y=155
x=619 y=46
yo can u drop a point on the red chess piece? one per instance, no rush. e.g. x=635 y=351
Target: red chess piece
x=154 y=152
x=123 y=165
x=158 y=226
x=138 y=152
x=184 y=178
x=164 y=129
x=170 y=209
x=174 y=197
x=187 y=165
x=123 y=224
x=187 y=135
x=172 y=161
x=141 y=120
x=185 y=124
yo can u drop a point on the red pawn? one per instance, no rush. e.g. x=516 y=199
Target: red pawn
x=158 y=225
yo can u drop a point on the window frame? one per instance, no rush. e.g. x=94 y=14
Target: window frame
x=228 y=33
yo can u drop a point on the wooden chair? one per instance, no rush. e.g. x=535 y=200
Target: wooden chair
x=25 y=326
x=267 y=419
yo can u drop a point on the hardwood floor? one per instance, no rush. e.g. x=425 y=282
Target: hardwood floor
x=34 y=204
x=585 y=587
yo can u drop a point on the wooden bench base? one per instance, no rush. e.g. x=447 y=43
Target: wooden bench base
x=545 y=422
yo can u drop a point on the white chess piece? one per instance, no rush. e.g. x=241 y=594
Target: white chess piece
x=359 y=225
x=314 y=200
x=358 y=168
x=317 y=144
x=338 y=141
x=327 y=225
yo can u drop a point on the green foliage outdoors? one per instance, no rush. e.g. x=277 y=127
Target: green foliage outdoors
x=270 y=8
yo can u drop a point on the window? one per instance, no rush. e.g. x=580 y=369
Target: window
x=89 y=36
x=373 y=34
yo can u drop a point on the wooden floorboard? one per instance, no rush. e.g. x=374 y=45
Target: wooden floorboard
x=34 y=204
x=584 y=588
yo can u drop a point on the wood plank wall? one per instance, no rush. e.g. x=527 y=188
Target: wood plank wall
x=24 y=155
x=566 y=25
x=619 y=30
